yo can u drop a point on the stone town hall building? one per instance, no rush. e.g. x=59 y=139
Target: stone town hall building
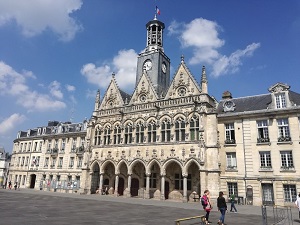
x=169 y=139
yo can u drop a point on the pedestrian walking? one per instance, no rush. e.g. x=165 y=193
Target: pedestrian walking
x=9 y=185
x=205 y=201
x=222 y=207
x=16 y=185
x=232 y=201
x=297 y=202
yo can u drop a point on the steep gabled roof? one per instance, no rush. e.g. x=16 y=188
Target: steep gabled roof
x=113 y=97
x=183 y=79
x=144 y=91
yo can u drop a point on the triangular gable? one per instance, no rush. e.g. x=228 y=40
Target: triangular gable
x=279 y=87
x=183 y=84
x=144 y=91
x=112 y=97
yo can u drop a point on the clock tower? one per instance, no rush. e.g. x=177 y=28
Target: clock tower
x=153 y=60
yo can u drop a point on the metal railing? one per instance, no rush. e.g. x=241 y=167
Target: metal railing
x=278 y=215
x=202 y=218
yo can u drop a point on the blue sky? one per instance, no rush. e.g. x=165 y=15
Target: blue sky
x=55 y=54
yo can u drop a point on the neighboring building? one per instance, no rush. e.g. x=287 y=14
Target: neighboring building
x=169 y=139
x=259 y=145
x=4 y=165
x=49 y=157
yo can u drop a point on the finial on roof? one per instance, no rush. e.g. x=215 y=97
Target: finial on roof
x=182 y=58
x=113 y=74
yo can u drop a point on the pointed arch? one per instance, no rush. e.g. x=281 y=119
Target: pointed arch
x=151 y=163
x=105 y=163
x=188 y=163
x=132 y=164
x=169 y=161
x=119 y=164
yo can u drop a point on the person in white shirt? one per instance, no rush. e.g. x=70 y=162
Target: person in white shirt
x=297 y=202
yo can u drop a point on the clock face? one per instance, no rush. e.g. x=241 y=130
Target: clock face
x=164 y=68
x=148 y=65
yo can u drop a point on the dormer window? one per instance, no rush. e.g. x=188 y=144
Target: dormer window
x=280 y=101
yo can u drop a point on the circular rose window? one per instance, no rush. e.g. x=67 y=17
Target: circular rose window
x=181 y=91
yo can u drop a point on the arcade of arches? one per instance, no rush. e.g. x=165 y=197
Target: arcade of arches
x=170 y=180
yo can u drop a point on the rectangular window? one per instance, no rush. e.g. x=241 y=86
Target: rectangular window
x=24 y=179
x=232 y=188
x=290 y=193
x=280 y=101
x=79 y=163
x=35 y=146
x=60 y=162
x=46 y=162
x=231 y=160
x=265 y=159
x=40 y=146
x=73 y=149
x=63 y=145
x=71 y=164
x=179 y=181
x=263 y=131
x=229 y=133
x=283 y=130
x=286 y=160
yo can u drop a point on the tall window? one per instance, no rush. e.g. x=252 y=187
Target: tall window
x=63 y=145
x=283 y=129
x=106 y=135
x=194 y=128
x=49 y=146
x=280 y=101
x=152 y=131
x=232 y=189
x=265 y=159
x=79 y=162
x=231 y=160
x=29 y=146
x=117 y=134
x=152 y=180
x=128 y=133
x=180 y=129
x=290 y=193
x=97 y=140
x=40 y=146
x=56 y=144
x=263 y=131
x=35 y=146
x=166 y=131
x=179 y=181
x=82 y=141
x=229 y=133
x=46 y=162
x=53 y=162
x=60 y=162
x=73 y=145
x=286 y=159
x=71 y=163
x=139 y=133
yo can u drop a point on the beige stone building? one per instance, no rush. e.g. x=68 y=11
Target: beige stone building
x=49 y=157
x=169 y=139
x=260 y=147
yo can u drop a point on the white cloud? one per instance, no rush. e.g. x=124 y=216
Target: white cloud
x=232 y=63
x=55 y=89
x=35 y=16
x=70 y=88
x=8 y=124
x=14 y=84
x=203 y=36
x=123 y=65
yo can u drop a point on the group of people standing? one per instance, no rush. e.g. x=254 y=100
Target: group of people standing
x=221 y=204
x=15 y=185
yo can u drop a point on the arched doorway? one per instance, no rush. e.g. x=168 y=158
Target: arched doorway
x=95 y=178
x=32 y=180
x=121 y=186
x=174 y=173
x=134 y=190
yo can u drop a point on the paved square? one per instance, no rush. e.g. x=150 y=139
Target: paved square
x=30 y=207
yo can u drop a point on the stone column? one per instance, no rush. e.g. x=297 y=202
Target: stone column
x=162 y=187
x=147 y=193
x=129 y=185
x=184 y=188
x=116 y=185
x=100 y=183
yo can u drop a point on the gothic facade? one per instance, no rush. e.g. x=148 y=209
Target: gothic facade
x=169 y=139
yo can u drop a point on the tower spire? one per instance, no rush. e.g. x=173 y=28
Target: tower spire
x=204 y=80
x=97 y=100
